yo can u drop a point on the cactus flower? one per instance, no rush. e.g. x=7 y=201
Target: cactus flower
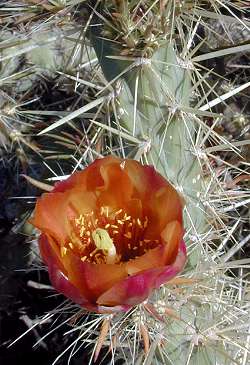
x=110 y=234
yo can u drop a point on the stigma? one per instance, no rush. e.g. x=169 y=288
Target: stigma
x=104 y=243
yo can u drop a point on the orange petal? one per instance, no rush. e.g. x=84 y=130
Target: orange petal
x=94 y=175
x=136 y=288
x=58 y=273
x=137 y=176
x=61 y=283
x=163 y=207
x=172 y=236
x=50 y=252
x=50 y=215
x=172 y=270
x=117 y=188
x=80 y=202
x=75 y=274
x=130 y=291
x=88 y=179
x=54 y=210
x=162 y=255
x=152 y=259
x=145 y=179
x=168 y=204
x=134 y=208
x=92 y=278
x=100 y=278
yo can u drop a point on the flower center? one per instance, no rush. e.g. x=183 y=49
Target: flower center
x=105 y=243
x=108 y=236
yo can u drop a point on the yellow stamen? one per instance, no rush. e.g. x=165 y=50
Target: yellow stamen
x=63 y=251
x=118 y=212
x=93 y=252
x=127 y=235
x=82 y=231
x=103 y=242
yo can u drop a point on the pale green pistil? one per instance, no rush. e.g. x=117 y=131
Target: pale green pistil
x=103 y=242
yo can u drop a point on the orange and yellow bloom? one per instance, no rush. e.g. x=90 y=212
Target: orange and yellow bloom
x=110 y=234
